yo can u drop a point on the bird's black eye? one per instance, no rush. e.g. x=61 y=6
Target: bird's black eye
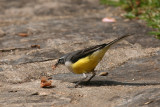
x=61 y=61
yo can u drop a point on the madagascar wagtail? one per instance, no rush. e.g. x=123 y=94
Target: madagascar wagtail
x=84 y=61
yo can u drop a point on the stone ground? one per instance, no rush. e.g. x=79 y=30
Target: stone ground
x=61 y=26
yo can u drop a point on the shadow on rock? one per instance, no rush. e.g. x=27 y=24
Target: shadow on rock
x=114 y=83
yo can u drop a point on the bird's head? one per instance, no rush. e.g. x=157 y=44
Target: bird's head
x=60 y=61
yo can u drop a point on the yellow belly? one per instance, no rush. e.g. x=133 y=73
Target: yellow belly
x=88 y=64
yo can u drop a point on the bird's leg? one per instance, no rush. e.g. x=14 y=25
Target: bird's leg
x=93 y=74
x=84 y=77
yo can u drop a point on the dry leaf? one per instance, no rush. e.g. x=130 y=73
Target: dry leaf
x=23 y=34
x=103 y=74
x=45 y=82
x=43 y=79
x=35 y=46
x=109 y=20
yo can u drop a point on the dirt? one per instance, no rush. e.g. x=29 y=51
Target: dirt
x=56 y=27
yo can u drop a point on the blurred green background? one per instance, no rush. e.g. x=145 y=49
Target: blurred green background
x=148 y=10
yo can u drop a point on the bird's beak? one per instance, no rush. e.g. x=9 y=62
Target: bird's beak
x=54 y=66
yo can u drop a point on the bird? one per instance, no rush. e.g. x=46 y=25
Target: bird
x=85 y=60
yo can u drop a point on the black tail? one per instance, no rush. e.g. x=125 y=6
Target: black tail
x=117 y=40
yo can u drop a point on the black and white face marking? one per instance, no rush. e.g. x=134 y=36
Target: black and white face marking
x=61 y=60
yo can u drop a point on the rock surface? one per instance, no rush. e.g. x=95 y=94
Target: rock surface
x=53 y=28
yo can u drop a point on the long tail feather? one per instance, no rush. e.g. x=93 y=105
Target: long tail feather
x=117 y=40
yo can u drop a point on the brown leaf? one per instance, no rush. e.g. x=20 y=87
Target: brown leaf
x=23 y=34
x=35 y=46
x=103 y=74
x=43 y=79
x=45 y=82
x=108 y=20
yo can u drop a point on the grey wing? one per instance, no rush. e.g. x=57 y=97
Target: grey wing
x=75 y=56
